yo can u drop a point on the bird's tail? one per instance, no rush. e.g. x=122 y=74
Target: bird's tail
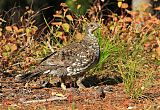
x=26 y=76
x=31 y=74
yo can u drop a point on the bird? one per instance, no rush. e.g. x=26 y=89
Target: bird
x=71 y=61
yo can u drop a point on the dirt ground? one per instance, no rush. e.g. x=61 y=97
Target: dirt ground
x=15 y=96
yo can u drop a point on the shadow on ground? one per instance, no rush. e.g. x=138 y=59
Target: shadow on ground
x=95 y=81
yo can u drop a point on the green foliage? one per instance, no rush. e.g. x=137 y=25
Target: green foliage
x=108 y=49
x=79 y=7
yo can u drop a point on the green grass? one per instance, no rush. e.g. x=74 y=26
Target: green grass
x=107 y=49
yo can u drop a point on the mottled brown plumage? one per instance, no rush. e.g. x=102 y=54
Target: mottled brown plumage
x=71 y=61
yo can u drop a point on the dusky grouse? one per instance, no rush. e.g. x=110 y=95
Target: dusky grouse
x=72 y=61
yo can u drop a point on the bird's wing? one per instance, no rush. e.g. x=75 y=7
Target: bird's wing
x=72 y=59
x=53 y=60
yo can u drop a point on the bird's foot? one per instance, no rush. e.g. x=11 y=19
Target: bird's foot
x=80 y=85
x=63 y=86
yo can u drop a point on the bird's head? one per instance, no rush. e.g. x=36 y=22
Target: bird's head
x=91 y=27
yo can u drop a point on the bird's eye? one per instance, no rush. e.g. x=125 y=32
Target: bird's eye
x=92 y=25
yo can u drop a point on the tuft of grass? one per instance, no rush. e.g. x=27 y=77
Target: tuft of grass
x=127 y=58
x=107 y=49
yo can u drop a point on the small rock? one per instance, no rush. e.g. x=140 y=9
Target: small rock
x=100 y=92
x=108 y=88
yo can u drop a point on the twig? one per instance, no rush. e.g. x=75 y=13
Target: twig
x=54 y=98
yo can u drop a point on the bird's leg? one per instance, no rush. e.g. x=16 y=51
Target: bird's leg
x=63 y=86
x=79 y=82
